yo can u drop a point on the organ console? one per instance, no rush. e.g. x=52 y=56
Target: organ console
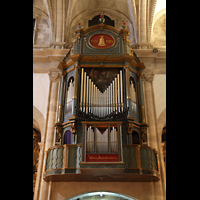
x=101 y=104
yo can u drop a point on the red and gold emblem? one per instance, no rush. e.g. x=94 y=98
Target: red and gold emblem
x=101 y=41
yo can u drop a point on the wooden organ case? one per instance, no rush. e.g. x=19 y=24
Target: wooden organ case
x=101 y=120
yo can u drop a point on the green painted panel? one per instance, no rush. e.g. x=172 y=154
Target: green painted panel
x=72 y=155
x=148 y=159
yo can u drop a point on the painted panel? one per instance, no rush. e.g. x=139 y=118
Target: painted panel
x=101 y=41
x=102 y=158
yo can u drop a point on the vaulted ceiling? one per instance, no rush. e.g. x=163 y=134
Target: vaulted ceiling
x=138 y=15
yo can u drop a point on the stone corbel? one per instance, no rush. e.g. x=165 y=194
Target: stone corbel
x=54 y=76
x=148 y=77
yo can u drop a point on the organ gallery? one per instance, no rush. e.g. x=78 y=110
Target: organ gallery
x=101 y=111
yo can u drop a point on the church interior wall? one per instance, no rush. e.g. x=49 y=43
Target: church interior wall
x=159 y=31
x=43 y=33
x=41 y=92
x=159 y=86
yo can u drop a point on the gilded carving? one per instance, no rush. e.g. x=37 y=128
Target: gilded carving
x=139 y=74
x=144 y=133
x=130 y=127
x=59 y=133
x=72 y=125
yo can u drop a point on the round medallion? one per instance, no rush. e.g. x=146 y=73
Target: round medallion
x=101 y=41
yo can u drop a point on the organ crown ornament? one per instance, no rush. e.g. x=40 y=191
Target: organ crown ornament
x=124 y=25
x=101 y=19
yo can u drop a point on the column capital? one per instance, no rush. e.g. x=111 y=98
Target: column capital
x=54 y=76
x=148 y=77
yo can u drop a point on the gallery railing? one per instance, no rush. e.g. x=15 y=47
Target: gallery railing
x=67 y=159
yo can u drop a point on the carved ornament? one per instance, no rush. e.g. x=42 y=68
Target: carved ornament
x=148 y=77
x=54 y=76
x=130 y=127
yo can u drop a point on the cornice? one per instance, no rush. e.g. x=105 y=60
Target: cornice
x=148 y=53
x=102 y=60
x=49 y=55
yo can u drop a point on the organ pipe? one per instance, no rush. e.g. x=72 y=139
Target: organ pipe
x=92 y=100
x=84 y=91
x=81 y=103
x=121 y=90
x=118 y=89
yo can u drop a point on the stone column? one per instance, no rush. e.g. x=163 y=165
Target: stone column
x=51 y=120
x=143 y=24
x=151 y=130
x=59 y=25
x=143 y=18
x=54 y=83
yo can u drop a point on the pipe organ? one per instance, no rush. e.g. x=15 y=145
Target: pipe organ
x=101 y=94
x=100 y=111
x=99 y=103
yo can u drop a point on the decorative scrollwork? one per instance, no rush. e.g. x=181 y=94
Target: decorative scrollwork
x=122 y=116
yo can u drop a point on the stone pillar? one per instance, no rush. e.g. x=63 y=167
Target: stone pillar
x=59 y=25
x=143 y=25
x=151 y=131
x=151 y=121
x=54 y=83
x=51 y=120
x=143 y=18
